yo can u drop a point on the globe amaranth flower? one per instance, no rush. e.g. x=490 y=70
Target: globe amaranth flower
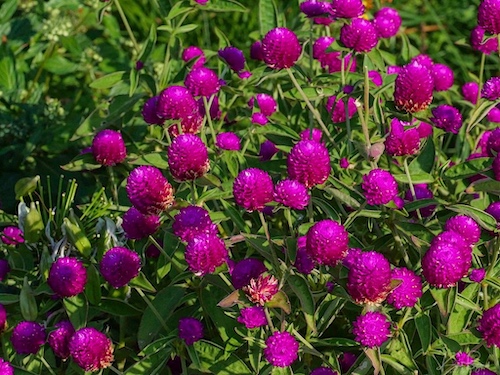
x=327 y=242
x=483 y=371
x=192 y=221
x=252 y=317
x=228 y=141
x=4 y=268
x=252 y=189
x=477 y=275
x=59 y=338
x=347 y=8
x=379 y=186
x=478 y=42
x=470 y=91
x=175 y=103
x=281 y=349
x=464 y=226
x=315 y=8
x=369 y=278
x=190 y=330
x=12 y=236
x=90 y=349
x=491 y=89
x=137 y=225
x=443 y=77
x=6 y=367
x=108 y=147
x=488 y=16
x=494 y=115
x=372 y=329
x=447 y=117
x=148 y=190
x=336 y=107
x=323 y=371
x=259 y=118
x=309 y=163
x=401 y=141
x=413 y=88
x=256 y=51
x=3 y=318
x=266 y=103
x=493 y=142
x=120 y=265
x=267 y=150
x=28 y=337
x=494 y=210
x=235 y=59
x=333 y=61
x=422 y=191
x=291 y=193
x=375 y=77
x=188 y=157
x=280 y=48
x=192 y=53
x=351 y=257
x=448 y=260
x=303 y=262
x=246 y=270
x=67 y=277
x=424 y=60
x=204 y=253
x=202 y=81
x=347 y=360
x=489 y=326
x=387 y=22
x=149 y=112
x=261 y=289
x=462 y=359
x=311 y=134
x=408 y=292
x=360 y=35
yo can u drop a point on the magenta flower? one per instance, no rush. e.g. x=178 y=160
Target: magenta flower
x=202 y=81
x=489 y=326
x=228 y=141
x=137 y=225
x=280 y=48
x=379 y=186
x=120 y=265
x=6 y=367
x=494 y=115
x=291 y=193
x=443 y=77
x=192 y=221
x=491 y=89
x=413 y=88
x=108 y=147
x=281 y=349
x=372 y=329
x=67 y=277
x=360 y=35
x=347 y=360
x=408 y=292
x=424 y=60
x=323 y=371
x=4 y=268
x=479 y=44
x=315 y=8
x=483 y=371
x=234 y=58
x=188 y=158
x=267 y=150
x=337 y=108
x=192 y=53
x=190 y=330
x=494 y=210
x=447 y=117
x=261 y=289
x=493 y=142
x=477 y=275
x=90 y=349
x=175 y=103
x=309 y=163
x=402 y=142
x=376 y=77
x=252 y=189
x=59 y=338
x=3 y=318
x=315 y=135
x=12 y=236
x=464 y=226
x=28 y=337
x=488 y=16
x=204 y=253
x=256 y=51
x=332 y=60
x=303 y=262
x=347 y=8
x=327 y=242
x=252 y=317
x=190 y=124
x=246 y=270
x=421 y=192
x=266 y=103
x=149 y=113
x=201 y=2
x=259 y=119
x=470 y=91
x=387 y=22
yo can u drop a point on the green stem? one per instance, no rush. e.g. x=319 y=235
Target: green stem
x=268 y=237
x=163 y=252
x=49 y=369
x=127 y=26
x=194 y=192
x=288 y=216
x=114 y=188
x=480 y=87
x=207 y=105
x=494 y=259
x=269 y=320
x=153 y=309
x=412 y=188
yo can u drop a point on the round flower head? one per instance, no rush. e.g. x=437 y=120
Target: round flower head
x=493 y=142
x=494 y=210
x=369 y=279
x=252 y=189
x=489 y=326
x=233 y=57
x=344 y=163
x=202 y=81
x=394 y=69
x=323 y=371
x=315 y=136
x=303 y=261
x=4 y=269
x=12 y=236
x=483 y=371
x=464 y=226
x=462 y=359
x=253 y=317
x=204 y=253
x=360 y=35
x=413 y=88
x=261 y=289
x=246 y=270
x=491 y=89
x=379 y=186
x=387 y=22
x=3 y=318
x=259 y=119
x=192 y=221
x=67 y=277
x=347 y=8
x=190 y=330
x=148 y=190
x=375 y=77
x=266 y=103
x=175 y=103
x=477 y=41
x=189 y=124
x=477 y=275
x=281 y=349
x=149 y=113
x=443 y=77
x=401 y=142
x=192 y=53
x=267 y=150
x=120 y=265
x=280 y=48
x=314 y=8
x=494 y=115
x=108 y=147
x=6 y=367
x=337 y=108
x=448 y=260
x=424 y=60
x=327 y=242
x=470 y=91
x=447 y=118
x=228 y=141
x=291 y=193
x=407 y=293
x=332 y=60
x=352 y=257
x=256 y=51
x=28 y=337
x=488 y=16
x=372 y=329
x=137 y=225
x=496 y=167
x=421 y=192
x=482 y=145
x=59 y=338
x=188 y=157
x=347 y=360
x=90 y=349
x=309 y=163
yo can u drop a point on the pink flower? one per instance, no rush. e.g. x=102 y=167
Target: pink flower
x=252 y=189
x=246 y=270
x=119 y=266
x=488 y=16
x=470 y=91
x=190 y=330
x=12 y=236
x=67 y=277
x=465 y=227
x=337 y=108
x=281 y=349
x=447 y=117
x=59 y=338
x=462 y=359
x=413 y=88
x=252 y=317
x=309 y=163
x=489 y=326
x=314 y=135
x=379 y=186
x=402 y=142
x=266 y=103
x=332 y=60
x=149 y=113
x=228 y=141
x=6 y=367
x=491 y=89
x=108 y=148
x=267 y=150
x=291 y=193
x=407 y=293
x=443 y=77
x=28 y=337
x=347 y=8
x=360 y=35
x=202 y=81
x=137 y=225
x=175 y=103
x=188 y=158
x=387 y=22
x=192 y=221
x=192 y=53
x=478 y=42
x=256 y=51
x=204 y=253
x=477 y=275
x=327 y=242
x=90 y=349
x=261 y=289
x=372 y=329
x=281 y=48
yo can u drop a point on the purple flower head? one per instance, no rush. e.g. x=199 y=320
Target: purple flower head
x=413 y=88
x=402 y=142
x=189 y=124
x=204 y=253
x=59 y=338
x=309 y=163
x=152 y=251
x=470 y=91
x=193 y=52
x=327 y=242
x=28 y=337
x=267 y=150
x=379 y=186
x=315 y=8
x=303 y=262
x=228 y=141
x=261 y=289
x=352 y=257
x=494 y=210
x=443 y=77
x=280 y=48
x=337 y=108
x=489 y=326
x=347 y=360
x=120 y=265
x=360 y=35
x=246 y=270
x=347 y=8
x=259 y=119
x=291 y=193
x=202 y=81
x=233 y=57
x=496 y=167
x=323 y=371
x=137 y=225
x=482 y=145
x=493 y=142
x=3 y=318
x=149 y=113
x=90 y=349
x=387 y=22
x=477 y=275
x=108 y=147
x=175 y=103
x=201 y=2
x=190 y=330
x=332 y=60
x=483 y=371
x=376 y=77
x=266 y=103
x=67 y=277
x=424 y=60
x=188 y=157
x=281 y=349
x=148 y=190
x=462 y=359
x=252 y=317
x=464 y=226
x=421 y=192
x=4 y=268
x=252 y=189
x=6 y=367
x=12 y=236
x=488 y=16
x=192 y=221
x=394 y=69
x=256 y=51
x=478 y=43
x=372 y=329
x=424 y=129
x=407 y=293
x=315 y=136
x=447 y=117
x=494 y=115
x=491 y=89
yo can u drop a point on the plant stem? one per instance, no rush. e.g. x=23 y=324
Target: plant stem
x=194 y=192
x=480 y=87
x=268 y=236
x=207 y=106
x=269 y=320
x=114 y=189
x=127 y=26
x=153 y=309
x=412 y=188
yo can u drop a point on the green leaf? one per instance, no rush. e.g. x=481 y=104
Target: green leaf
x=155 y=159
x=280 y=300
x=151 y=41
x=301 y=289
x=186 y=28
x=82 y=162
x=118 y=307
x=417 y=178
x=122 y=105
x=107 y=81
x=26 y=186
x=235 y=216
x=468 y=168
x=334 y=341
x=425 y=161
x=8 y=299
x=484 y=185
x=376 y=58
x=7 y=10
x=153 y=363
x=424 y=329
x=60 y=65
x=93 y=286
x=33 y=225
x=77 y=237
x=27 y=302
x=484 y=219
x=77 y=308
x=143 y=283
x=267 y=16
x=177 y=10
x=465 y=338
x=7 y=68
x=212 y=358
x=224 y=6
